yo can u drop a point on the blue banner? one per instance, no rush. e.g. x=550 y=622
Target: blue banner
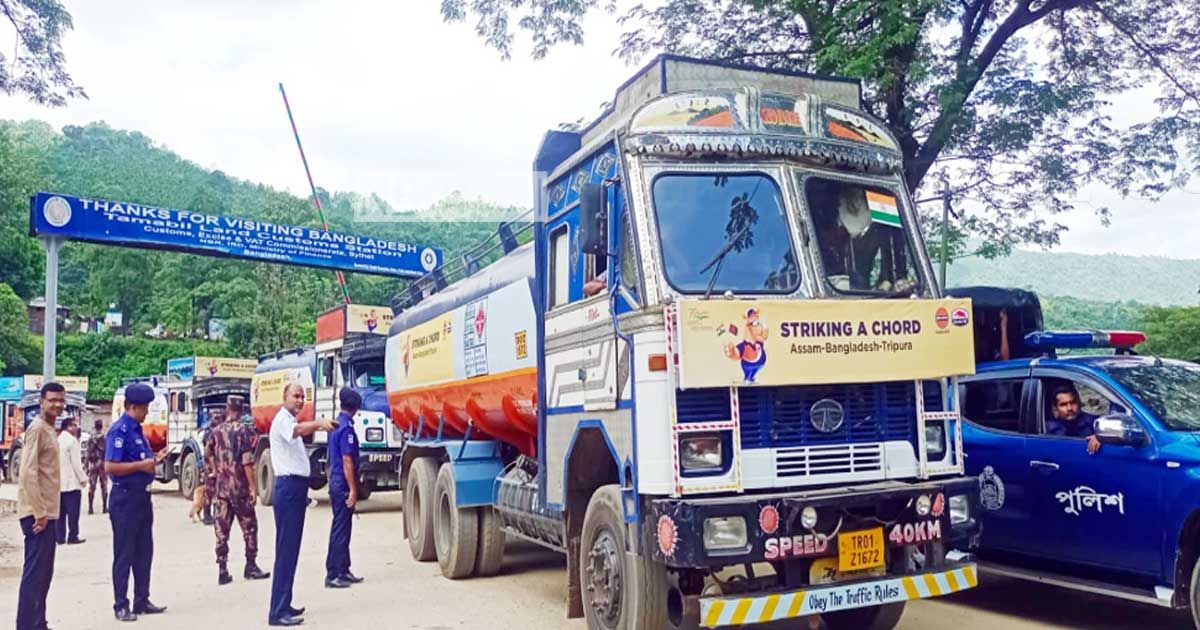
x=136 y=225
x=11 y=387
x=182 y=369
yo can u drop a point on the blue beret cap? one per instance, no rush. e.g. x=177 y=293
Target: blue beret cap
x=139 y=394
x=350 y=398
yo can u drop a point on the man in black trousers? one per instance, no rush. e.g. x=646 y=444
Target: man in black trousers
x=37 y=507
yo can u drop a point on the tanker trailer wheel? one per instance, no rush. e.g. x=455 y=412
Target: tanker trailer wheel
x=365 y=488
x=612 y=598
x=264 y=475
x=491 y=543
x=456 y=529
x=14 y=465
x=418 y=508
x=883 y=617
x=189 y=473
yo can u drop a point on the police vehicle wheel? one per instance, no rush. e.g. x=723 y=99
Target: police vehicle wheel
x=418 y=508
x=189 y=474
x=455 y=529
x=264 y=475
x=612 y=598
x=491 y=543
x=14 y=465
x=883 y=617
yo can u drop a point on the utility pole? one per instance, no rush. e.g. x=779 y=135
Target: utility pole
x=53 y=245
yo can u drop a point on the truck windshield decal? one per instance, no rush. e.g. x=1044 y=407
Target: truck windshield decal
x=728 y=225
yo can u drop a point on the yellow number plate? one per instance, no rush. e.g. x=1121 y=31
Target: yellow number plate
x=860 y=550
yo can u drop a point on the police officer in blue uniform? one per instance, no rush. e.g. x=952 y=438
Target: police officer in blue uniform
x=343 y=491
x=129 y=462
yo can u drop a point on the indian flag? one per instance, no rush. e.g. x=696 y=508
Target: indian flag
x=884 y=208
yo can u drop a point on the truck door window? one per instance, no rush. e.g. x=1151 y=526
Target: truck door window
x=994 y=404
x=629 y=274
x=560 y=267
x=327 y=372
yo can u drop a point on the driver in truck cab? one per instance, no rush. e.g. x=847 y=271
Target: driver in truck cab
x=1070 y=420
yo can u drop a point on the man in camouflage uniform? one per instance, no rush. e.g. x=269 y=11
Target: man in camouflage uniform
x=95 y=468
x=228 y=483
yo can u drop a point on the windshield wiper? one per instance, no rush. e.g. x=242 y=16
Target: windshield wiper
x=719 y=259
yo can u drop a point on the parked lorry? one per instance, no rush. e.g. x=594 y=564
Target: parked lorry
x=1121 y=519
x=350 y=341
x=20 y=403
x=715 y=370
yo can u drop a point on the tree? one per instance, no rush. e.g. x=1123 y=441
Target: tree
x=1172 y=332
x=38 y=68
x=16 y=349
x=1008 y=99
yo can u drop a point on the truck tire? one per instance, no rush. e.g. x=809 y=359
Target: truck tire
x=189 y=475
x=455 y=529
x=611 y=599
x=491 y=543
x=264 y=476
x=365 y=488
x=883 y=617
x=418 y=508
x=14 y=465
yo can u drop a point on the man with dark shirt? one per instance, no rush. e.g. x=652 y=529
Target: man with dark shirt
x=1070 y=420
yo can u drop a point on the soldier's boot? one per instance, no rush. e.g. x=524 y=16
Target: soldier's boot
x=223 y=577
x=255 y=573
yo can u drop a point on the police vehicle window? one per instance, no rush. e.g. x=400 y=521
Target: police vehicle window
x=731 y=227
x=1171 y=390
x=860 y=232
x=994 y=404
x=560 y=268
x=1089 y=404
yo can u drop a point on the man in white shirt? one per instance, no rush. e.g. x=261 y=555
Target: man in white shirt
x=289 y=459
x=72 y=478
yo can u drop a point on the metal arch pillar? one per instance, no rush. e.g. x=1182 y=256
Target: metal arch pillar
x=53 y=246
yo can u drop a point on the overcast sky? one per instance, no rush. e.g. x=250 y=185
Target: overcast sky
x=392 y=100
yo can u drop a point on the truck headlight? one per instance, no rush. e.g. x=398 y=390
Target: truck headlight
x=923 y=505
x=808 y=517
x=375 y=434
x=960 y=509
x=700 y=453
x=935 y=441
x=724 y=533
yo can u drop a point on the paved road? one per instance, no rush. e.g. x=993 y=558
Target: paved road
x=403 y=594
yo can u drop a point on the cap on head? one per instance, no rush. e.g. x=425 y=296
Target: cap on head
x=235 y=403
x=350 y=399
x=139 y=394
x=99 y=424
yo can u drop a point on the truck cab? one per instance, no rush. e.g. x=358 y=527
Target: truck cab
x=1121 y=518
x=26 y=408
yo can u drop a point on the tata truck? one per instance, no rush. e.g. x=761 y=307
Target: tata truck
x=349 y=352
x=21 y=404
x=714 y=370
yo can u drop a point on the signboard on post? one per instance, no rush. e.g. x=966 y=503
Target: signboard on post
x=34 y=382
x=136 y=225
x=744 y=343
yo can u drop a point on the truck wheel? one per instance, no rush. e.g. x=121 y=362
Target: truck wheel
x=883 y=617
x=264 y=473
x=612 y=598
x=189 y=475
x=418 y=508
x=456 y=529
x=14 y=465
x=491 y=543
x=365 y=488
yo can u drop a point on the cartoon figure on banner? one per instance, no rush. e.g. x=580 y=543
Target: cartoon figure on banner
x=372 y=321
x=406 y=357
x=212 y=368
x=752 y=350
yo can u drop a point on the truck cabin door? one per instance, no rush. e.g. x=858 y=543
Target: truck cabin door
x=1096 y=509
x=327 y=385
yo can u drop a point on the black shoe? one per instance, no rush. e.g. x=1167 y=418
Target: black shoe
x=149 y=609
x=351 y=578
x=296 y=612
x=336 y=582
x=76 y=541
x=254 y=573
x=223 y=577
x=286 y=621
x=124 y=615
x=90 y=512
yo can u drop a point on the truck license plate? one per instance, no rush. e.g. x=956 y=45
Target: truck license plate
x=860 y=550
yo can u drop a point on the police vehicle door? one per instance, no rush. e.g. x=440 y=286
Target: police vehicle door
x=1099 y=509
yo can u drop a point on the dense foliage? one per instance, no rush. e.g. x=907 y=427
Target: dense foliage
x=37 y=68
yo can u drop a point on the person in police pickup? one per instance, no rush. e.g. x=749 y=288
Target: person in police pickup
x=1070 y=420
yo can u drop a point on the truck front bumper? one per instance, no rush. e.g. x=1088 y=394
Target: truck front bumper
x=381 y=466
x=716 y=612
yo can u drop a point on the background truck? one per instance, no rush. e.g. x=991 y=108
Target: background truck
x=24 y=407
x=349 y=351
x=720 y=377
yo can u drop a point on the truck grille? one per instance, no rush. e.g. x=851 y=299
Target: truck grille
x=773 y=417
x=837 y=459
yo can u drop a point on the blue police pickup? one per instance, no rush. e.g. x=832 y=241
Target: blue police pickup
x=1089 y=464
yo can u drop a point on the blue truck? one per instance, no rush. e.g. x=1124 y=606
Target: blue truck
x=1107 y=501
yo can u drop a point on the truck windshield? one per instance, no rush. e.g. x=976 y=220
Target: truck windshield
x=1171 y=391
x=731 y=225
x=369 y=374
x=864 y=249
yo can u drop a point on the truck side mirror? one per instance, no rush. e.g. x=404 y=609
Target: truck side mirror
x=593 y=219
x=1119 y=428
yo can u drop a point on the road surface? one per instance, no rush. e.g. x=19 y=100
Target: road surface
x=403 y=594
